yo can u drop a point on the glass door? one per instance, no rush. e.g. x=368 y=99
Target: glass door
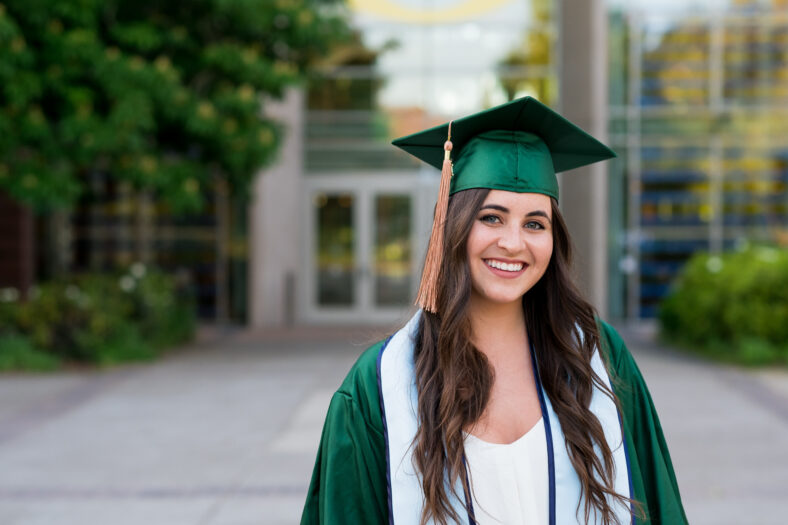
x=335 y=250
x=393 y=265
x=362 y=249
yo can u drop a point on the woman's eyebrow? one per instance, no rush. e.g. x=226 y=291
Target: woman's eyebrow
x=540 y=213
x=504 y=209
x=495 y=207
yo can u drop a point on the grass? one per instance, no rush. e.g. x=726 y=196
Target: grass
x=18 y=354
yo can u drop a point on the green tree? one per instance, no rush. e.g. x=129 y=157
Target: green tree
x=165 y=95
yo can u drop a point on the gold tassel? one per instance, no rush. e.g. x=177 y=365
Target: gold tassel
x=427 y=297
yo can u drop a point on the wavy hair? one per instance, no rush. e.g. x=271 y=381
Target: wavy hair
x=454 y=378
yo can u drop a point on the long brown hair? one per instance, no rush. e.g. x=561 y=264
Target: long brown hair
x=454 y=378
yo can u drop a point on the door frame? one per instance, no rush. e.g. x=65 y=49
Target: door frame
x=364 y=186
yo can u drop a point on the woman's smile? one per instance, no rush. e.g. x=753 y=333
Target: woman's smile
x=507 y=270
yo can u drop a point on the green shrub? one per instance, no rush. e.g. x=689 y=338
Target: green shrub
x=71 y=317
x=124 y=343
x=163 y=309
x=732 y=306
x=18 y=353
x=103 y=318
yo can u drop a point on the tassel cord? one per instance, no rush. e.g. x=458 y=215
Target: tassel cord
x=427 y=297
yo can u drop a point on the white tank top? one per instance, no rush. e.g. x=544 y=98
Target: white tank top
x=509 y=481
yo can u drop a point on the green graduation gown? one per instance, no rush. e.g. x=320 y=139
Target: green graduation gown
x=349 y=480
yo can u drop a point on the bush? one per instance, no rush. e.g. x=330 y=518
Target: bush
x=732 y=306
x=103 y=318
x=162 y=307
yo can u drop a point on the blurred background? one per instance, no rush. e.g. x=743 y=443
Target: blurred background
x=216 y=178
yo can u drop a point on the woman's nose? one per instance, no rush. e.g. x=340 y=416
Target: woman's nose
x=511 y=239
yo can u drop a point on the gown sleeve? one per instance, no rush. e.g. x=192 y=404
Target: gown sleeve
x=349 y=479
x=653 y=480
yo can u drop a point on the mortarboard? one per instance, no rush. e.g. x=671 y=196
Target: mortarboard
x=518 y=146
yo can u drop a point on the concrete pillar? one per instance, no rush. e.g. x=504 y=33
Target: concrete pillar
x=583 y=100
x=275 y=217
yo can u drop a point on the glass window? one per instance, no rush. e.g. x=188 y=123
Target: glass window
x=413 y=66
x=393 y=265
x=697 y=98
x=335 y=250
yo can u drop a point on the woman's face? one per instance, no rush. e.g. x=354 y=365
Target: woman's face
x=510 y=245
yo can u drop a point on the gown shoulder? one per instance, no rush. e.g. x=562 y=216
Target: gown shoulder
x=653 y=479
x=349 y=478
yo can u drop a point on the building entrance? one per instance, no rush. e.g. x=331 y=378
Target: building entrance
x=363 y=251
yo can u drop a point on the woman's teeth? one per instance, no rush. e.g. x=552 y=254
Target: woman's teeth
x=507 y=267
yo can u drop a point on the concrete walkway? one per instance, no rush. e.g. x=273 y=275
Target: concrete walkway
x=226 y=433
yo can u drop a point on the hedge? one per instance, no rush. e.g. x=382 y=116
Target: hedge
x=732 y=306
x=95 y=318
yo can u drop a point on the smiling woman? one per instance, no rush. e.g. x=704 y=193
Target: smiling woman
x=504 y=399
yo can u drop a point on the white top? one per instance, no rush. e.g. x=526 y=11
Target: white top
x=509 y=481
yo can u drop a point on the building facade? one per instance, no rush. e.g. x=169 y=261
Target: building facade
x=691 y=96
x=697 y=114
x=339 y=226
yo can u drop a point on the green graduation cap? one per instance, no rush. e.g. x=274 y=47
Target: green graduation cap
x=518 y=146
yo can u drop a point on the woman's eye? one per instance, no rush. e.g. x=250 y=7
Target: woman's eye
x=534 y=225
x=490 y=219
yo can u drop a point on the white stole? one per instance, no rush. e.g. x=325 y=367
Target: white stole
x=398 y=399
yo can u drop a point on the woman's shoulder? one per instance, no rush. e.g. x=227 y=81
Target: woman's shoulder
x=362 y=376
x=614 y=347
x=360 y=386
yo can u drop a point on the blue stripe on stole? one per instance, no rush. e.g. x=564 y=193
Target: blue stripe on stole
x=468 y=497
x=629 y=470
x=548 y=434
x=626 y=455
x=385 y=431
x=610 y=418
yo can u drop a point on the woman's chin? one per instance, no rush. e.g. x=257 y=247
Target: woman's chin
x=496 y=298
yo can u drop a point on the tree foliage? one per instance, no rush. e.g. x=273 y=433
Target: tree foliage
x=165 y=95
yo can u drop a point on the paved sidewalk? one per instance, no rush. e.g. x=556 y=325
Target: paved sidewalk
x=226 y=432
x=727 y=430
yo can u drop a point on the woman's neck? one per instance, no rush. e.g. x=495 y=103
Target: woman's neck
x=497 y=328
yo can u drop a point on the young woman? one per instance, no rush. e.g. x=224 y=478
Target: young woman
x=504 y=399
